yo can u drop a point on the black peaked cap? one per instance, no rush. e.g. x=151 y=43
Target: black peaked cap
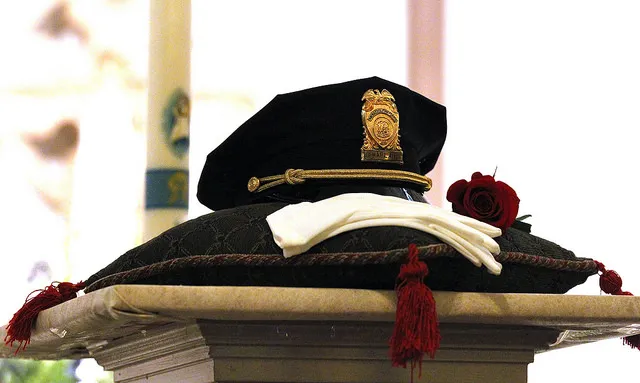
x=318 y=128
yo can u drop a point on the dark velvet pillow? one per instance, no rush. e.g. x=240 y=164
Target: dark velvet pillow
x=235 y=247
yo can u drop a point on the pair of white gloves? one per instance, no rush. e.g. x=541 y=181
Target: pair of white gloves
x=297 y=228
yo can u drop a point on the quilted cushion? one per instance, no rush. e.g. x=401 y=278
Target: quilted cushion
x=235 y=247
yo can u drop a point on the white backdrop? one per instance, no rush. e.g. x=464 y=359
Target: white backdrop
x=549 y=92
x=249 y=51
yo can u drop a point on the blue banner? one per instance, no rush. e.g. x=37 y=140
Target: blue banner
x=167 y=189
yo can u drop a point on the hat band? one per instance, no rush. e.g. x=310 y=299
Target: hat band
x=298 y=176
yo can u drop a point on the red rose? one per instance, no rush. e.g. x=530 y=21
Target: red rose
x=485 y=199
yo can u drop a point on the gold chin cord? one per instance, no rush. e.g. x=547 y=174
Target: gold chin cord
x=298 y=176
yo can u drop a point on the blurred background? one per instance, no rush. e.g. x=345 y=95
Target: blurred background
x=547 y=91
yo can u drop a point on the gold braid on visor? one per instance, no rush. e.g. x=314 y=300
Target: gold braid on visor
x=298 y=176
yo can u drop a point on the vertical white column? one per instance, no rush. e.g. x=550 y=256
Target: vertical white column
x=425 y=46
x=167 y=174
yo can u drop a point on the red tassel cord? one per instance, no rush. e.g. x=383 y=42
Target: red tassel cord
x=611 y=283
x=416 y=328
x=19 y=327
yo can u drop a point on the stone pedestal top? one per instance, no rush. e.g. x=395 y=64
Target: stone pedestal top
x=72 y=329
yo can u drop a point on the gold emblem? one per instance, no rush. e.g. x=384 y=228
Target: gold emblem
x=253 y=184
x=179 y=187
x=381 y=123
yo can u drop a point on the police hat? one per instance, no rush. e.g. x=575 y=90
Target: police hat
x=348 y=137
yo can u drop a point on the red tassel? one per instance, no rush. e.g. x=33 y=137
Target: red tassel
x=611 y=283
x=416 y=328
x=19 y=327
x=632 y=341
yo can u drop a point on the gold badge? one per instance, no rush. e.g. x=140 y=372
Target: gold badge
x=381 y=123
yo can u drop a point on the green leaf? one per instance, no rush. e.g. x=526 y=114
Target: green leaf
x=31 y=371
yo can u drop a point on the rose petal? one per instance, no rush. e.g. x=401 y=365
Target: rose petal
x=469 y=205
x=455 y=195
x=514 y=205
x=483 y=203
x=456 y=191
x=511 y=203
x=500 y=218
x=483 y=182
x=507 y=189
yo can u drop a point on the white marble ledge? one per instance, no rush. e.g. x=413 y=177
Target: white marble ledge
x=70 y=329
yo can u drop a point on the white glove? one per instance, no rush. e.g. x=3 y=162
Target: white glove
x=297 y=228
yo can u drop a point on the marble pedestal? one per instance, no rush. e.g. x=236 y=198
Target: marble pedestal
x=208 y=351
x=258 y=334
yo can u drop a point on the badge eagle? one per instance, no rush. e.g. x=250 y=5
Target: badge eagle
x=381 y=123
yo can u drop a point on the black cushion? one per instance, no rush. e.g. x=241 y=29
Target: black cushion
x=235 y=247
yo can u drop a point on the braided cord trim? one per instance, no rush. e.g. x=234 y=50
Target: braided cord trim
x=298 y=176
x=335 y=259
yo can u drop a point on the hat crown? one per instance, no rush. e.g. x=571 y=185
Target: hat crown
x=323 y=128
